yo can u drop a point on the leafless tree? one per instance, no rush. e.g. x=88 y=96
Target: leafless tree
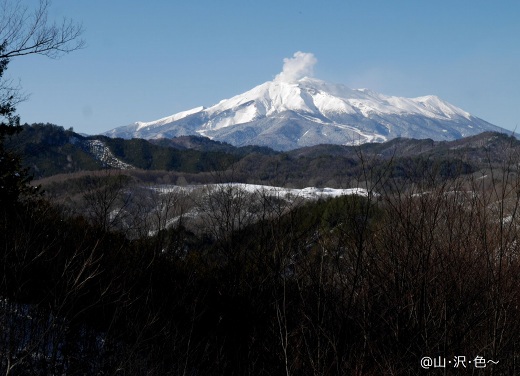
x=106 y=201
x=25 y=31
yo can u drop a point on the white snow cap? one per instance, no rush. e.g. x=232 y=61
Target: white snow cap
x=299 y=66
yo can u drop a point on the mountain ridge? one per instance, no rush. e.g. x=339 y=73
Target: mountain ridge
x=288 y=115
x=49 y=150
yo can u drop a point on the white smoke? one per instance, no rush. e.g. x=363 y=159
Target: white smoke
x=299 y=66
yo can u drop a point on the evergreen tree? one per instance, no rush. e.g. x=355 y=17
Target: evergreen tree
x=14 y=179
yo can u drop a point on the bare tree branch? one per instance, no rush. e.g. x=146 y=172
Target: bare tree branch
x=24 y=32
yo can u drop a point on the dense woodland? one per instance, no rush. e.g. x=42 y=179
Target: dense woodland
x=426 y=265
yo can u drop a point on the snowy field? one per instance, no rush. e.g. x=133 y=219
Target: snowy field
x=307 y=193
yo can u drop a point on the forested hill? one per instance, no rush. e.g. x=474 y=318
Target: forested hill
x=49 y=150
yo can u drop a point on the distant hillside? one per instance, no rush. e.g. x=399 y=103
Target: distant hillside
x=201 y=143
x=492 y=145
x=50 y=150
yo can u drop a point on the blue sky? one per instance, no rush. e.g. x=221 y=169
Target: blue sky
x=147 y=60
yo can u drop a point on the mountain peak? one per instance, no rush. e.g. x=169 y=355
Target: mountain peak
x=296 y=109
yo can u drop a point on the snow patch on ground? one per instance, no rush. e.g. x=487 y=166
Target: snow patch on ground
x=102 y=153
x=307 y=193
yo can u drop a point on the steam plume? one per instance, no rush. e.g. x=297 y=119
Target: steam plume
x=297 y=67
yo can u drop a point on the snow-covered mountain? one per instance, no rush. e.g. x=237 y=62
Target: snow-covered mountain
x=291 y=112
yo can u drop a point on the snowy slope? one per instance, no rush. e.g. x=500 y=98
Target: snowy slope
x=309 y=193
x=287 y=114
x=102 y=153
